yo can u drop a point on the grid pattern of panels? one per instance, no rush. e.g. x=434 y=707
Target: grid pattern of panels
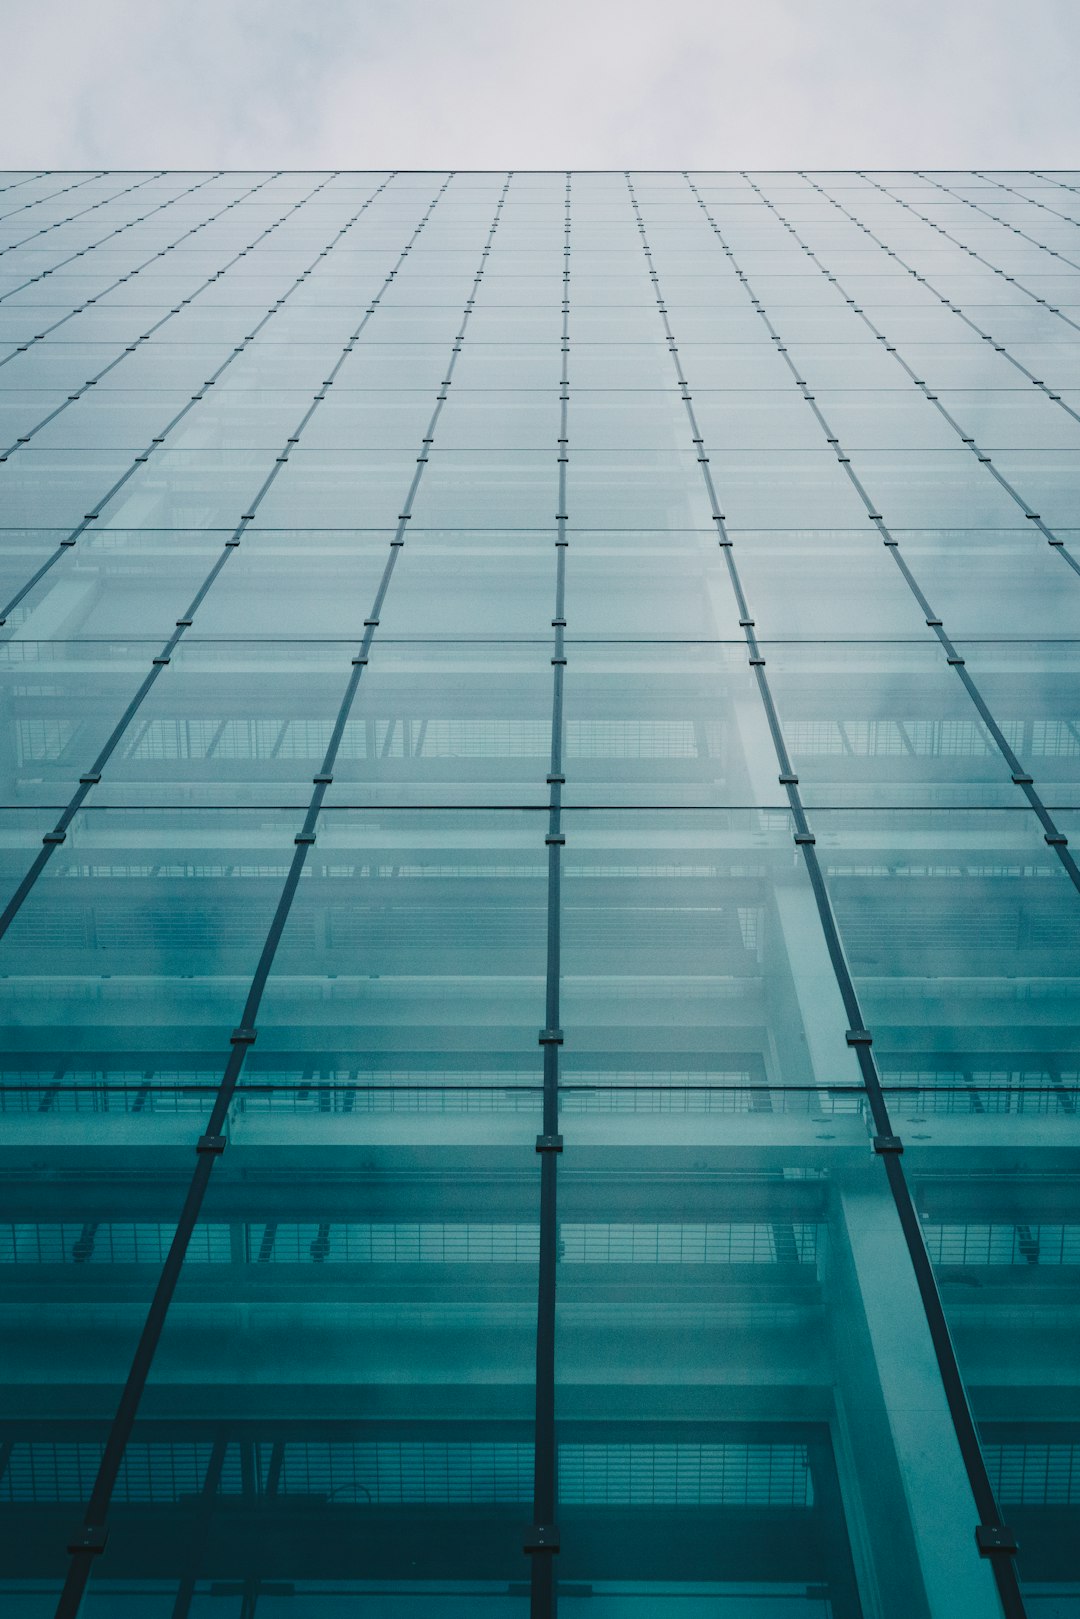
x=538 y=711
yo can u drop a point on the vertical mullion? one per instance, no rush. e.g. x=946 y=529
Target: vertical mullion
x=543 y=1541
x=185 y=1593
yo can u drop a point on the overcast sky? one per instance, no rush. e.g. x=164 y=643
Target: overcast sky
x=548 y=83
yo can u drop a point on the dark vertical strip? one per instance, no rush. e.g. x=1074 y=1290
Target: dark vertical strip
x=993 y=1538
x=185 y=1593
x=543 y=1542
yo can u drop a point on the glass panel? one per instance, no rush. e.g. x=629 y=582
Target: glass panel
x=143 y=930
x=919 y=896
x=884 y=724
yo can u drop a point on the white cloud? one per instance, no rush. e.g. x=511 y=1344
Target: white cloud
x=593 y=83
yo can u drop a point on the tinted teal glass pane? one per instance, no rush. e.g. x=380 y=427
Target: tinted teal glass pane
x=897 y=726
x=418 y=940
x=100 y=421
x=934 y=489
x=753 y=421
x=977 y=889
x=885 y=419
x=708 y=912
x=1006 y=584
x=464 y=584
x=279 y=583
x=53 y=489
x=63 y=700
x=1008 y=419
x=109 y=585
x=810 y=585
x=796 y=489
x=1034 y=693
x=664 y=723
x=144 y=928
x=640 y=585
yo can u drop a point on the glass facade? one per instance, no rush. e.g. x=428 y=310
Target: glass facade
x=540 y=736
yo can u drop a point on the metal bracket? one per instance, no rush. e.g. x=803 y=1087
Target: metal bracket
x=883 y=1144
x=208 y=1143
x=549 y=1144
x=994 y=1538
x=542 y=1537
x=89 y=1539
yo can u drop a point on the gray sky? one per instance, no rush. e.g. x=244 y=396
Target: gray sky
x=496 y=83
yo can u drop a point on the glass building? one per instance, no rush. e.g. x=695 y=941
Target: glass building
x=540 y=735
